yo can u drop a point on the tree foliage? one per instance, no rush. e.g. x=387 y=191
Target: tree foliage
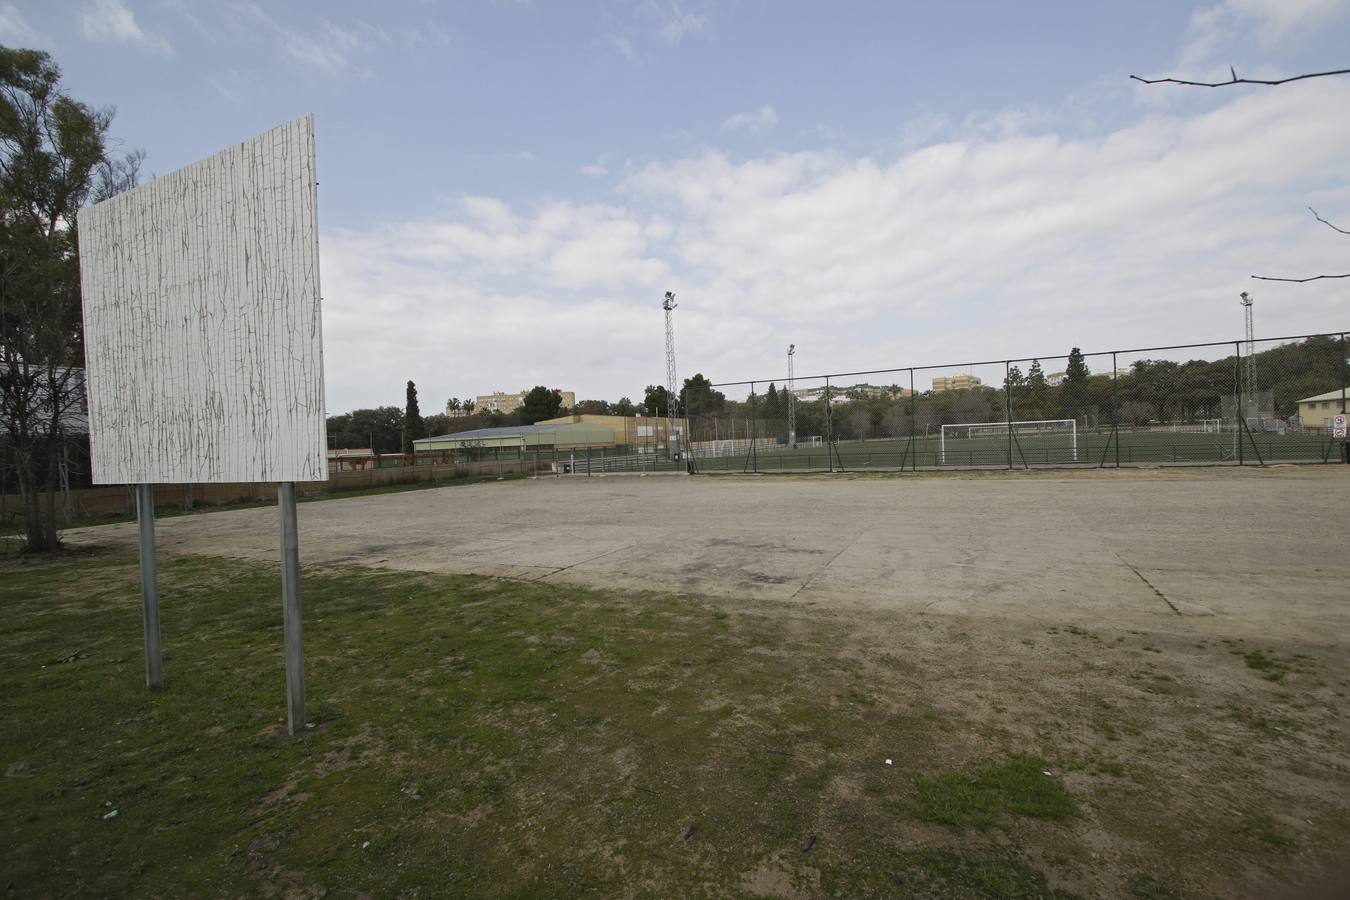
x=699 y=397
x=413 y=428
x=53 y=161
x=655 y=400
x=380 y=429
x=538 y=404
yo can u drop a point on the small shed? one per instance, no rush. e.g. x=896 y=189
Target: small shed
x=1315 y=413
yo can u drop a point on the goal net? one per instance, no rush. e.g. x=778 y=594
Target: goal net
x=1039 y=433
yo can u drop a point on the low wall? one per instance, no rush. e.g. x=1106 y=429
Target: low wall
x=121 y=500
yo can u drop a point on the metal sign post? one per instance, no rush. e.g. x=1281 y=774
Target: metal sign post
x=145 y=519
x=290 y=609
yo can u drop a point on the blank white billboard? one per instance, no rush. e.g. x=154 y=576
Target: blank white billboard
x=203 y=337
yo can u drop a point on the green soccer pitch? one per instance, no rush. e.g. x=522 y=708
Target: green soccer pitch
x=1094 y=448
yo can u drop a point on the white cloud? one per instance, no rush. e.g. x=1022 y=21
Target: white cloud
x=596 y=169
x=329 y=51
x=755 y=122
x=15 y=29
x=673 y=20
x=231 y=85
x=624 y=45
x=113 y=21
x=1269 y=23
x=988 y=243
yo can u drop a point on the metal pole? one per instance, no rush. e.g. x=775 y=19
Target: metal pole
x=145 y=519
x=913 y=423
x=1345 y=370
x=829 y=425
x=1007 y=402
x=290 y=609
x=1115 y=403
x=1241 y=422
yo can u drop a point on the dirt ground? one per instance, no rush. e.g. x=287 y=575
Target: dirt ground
x=1173 y=642
x=1204 y=551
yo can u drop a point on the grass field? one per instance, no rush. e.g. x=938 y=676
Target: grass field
x=487 y=737
x=1130 y=448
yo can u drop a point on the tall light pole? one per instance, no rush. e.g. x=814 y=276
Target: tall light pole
x=1251 y=355
x=792 y=401
x=671 y=398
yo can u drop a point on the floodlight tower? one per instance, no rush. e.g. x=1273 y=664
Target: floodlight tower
x=792 y=401
x=671 y=397
x=1251 y=355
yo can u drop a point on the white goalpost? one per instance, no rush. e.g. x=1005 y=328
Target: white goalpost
x=1031 y=428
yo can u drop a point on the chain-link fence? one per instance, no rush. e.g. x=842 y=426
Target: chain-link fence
x=1275 y=400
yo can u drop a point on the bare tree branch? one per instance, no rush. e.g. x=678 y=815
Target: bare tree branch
x=1325 y=222
x=1236 y=80
x=1299 y=280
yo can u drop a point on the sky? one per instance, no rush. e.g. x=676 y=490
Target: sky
x=508 y=188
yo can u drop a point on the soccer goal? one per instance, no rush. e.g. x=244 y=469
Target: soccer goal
x=1031 y=431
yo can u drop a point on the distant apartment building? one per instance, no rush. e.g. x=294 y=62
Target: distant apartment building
x=1055 y=379
x=956 y=383
x=502 y=402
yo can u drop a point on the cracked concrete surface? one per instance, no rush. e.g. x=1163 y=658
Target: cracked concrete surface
x=1242 y=551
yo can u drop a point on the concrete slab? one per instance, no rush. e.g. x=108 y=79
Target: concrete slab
x=1261 y=551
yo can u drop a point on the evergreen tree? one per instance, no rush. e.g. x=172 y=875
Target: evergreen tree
x=699 y=397
x=771 y=405
x=655 y=400
x=412 y=419
x=1037 y=393
x=1074 y=394
x=539 y=404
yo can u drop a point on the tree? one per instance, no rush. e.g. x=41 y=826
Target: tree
x=412 y=419
x=699 y=397
x=771 y=407
x=539 y=404
x=624 y=407
x=452 y=405
x=435 y=425
x=379 y=429
x=656 y=400
x=468 y=406
x=1074 y=393
x=52 y=161
x=1037 y=394
x=593 y=408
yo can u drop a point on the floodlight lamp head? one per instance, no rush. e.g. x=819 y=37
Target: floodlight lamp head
x=670 y=301
x=792 y=348
x=1246 y=298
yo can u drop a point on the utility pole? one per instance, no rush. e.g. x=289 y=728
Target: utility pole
x=1251 y=356
x=672 y=401
x=792 y=401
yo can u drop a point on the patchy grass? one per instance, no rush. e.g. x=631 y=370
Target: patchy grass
x=981 y=799
x=945 y=873
x=490 y=737
x=1272 y=669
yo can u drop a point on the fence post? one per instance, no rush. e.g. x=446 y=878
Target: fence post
x=1345 y=370
x=913 y=423
x=1007 y=404
x=1115 y=405
x=829 y=426
x=1241 y=422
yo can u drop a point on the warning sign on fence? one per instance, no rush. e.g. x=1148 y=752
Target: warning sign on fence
x=1338 y=425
